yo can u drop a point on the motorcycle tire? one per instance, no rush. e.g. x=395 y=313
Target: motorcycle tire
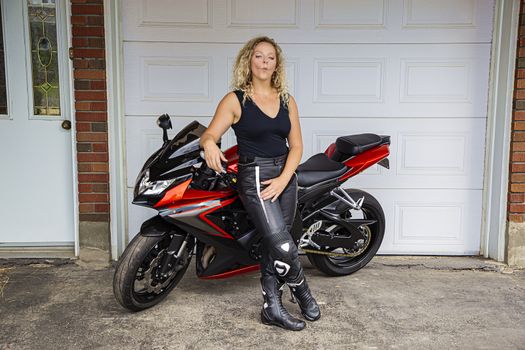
x=136 y=259
x=343 y=266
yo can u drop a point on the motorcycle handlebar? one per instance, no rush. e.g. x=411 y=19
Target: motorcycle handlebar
x=228 y=178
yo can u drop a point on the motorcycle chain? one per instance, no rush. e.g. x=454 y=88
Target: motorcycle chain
x=351 y=255
x=322 y=252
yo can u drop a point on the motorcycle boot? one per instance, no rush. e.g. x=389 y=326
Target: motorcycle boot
x=273 y=311
x=302 y=294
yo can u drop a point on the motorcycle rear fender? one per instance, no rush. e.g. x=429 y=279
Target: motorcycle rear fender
x=365 y=160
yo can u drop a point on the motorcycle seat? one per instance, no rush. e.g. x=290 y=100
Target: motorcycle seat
x=351 y=145
x=318 y=168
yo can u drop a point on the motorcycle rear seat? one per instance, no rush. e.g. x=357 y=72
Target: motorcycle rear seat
x=351 y=145
x=318 y=168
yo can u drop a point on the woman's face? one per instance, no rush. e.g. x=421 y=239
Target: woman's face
x=264 y=61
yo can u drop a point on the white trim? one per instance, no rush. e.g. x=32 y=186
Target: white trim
x=64 y=37
x=499 y=119
x=116 y=129
x=71 y=103
x=37 y=251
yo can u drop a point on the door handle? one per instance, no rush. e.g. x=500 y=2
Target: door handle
x=66 y=124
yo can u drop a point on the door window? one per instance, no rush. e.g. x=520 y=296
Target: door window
x=44 y=57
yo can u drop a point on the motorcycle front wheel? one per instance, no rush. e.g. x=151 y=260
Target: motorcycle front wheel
x=342 y=265
x=138 y=283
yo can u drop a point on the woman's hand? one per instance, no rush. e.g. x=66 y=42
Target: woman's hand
x=213 y=157
x=275 y=187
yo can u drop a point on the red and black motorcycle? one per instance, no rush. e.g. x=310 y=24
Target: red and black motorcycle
x=201 y=215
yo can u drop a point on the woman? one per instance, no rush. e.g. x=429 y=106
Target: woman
x=264 y=116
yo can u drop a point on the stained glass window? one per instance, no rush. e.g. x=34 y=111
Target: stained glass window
x=3 y=88
x=44 y=59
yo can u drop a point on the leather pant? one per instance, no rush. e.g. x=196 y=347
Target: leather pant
x=273 y=219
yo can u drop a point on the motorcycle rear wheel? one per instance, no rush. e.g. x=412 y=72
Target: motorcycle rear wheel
x=342 y=266
x=139 y=264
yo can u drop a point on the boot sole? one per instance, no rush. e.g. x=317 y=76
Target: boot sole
x=310 y=318
x=270 y=323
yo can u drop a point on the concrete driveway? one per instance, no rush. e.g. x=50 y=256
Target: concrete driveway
x=394 y=303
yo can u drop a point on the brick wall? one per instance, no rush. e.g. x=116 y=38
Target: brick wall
x=515 y=235
x=91 y=120
x=516 y=208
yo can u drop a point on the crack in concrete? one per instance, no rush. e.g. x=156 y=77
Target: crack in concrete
x=35 y=261
x=485 y=268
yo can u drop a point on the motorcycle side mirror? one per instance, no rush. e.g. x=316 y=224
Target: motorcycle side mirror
x=164 y=122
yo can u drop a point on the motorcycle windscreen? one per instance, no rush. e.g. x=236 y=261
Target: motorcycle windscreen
x=182 y=152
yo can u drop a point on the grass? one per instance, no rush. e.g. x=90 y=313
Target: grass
x=4 y=279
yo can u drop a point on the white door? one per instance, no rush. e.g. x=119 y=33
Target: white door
x=36 y=203
x=417 y=70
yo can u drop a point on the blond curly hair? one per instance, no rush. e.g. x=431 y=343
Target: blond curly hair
x=242 y=75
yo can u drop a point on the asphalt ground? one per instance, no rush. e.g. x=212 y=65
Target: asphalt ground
x=393 y=303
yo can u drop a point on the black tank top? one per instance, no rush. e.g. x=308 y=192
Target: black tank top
x=259 y=135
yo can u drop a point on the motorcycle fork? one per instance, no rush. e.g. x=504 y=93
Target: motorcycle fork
x=173 y=255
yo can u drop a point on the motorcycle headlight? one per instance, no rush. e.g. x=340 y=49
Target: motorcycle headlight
x=147 y=187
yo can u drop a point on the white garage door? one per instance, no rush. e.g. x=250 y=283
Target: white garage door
x=413 y=69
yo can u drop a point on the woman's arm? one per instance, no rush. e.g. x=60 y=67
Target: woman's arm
x=295 y=141
x=224 y=116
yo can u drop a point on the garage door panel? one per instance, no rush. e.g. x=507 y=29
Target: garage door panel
x=350 y=81
x=179 y=77
x=160 y=15
x=172 y=13
x=188 y=79
x=439 y=13
x=425 y=153
x=263 y=14
x=360 y=21
x=176 y=79
x=431 y=221
x=423 y=81
x=341 y=14
x=409 y=81
x=445 y=81
x=446 y=157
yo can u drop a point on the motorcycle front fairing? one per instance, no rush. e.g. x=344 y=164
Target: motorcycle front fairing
x=169 y=166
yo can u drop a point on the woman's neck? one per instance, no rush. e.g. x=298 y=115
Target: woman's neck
x=262 y=87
